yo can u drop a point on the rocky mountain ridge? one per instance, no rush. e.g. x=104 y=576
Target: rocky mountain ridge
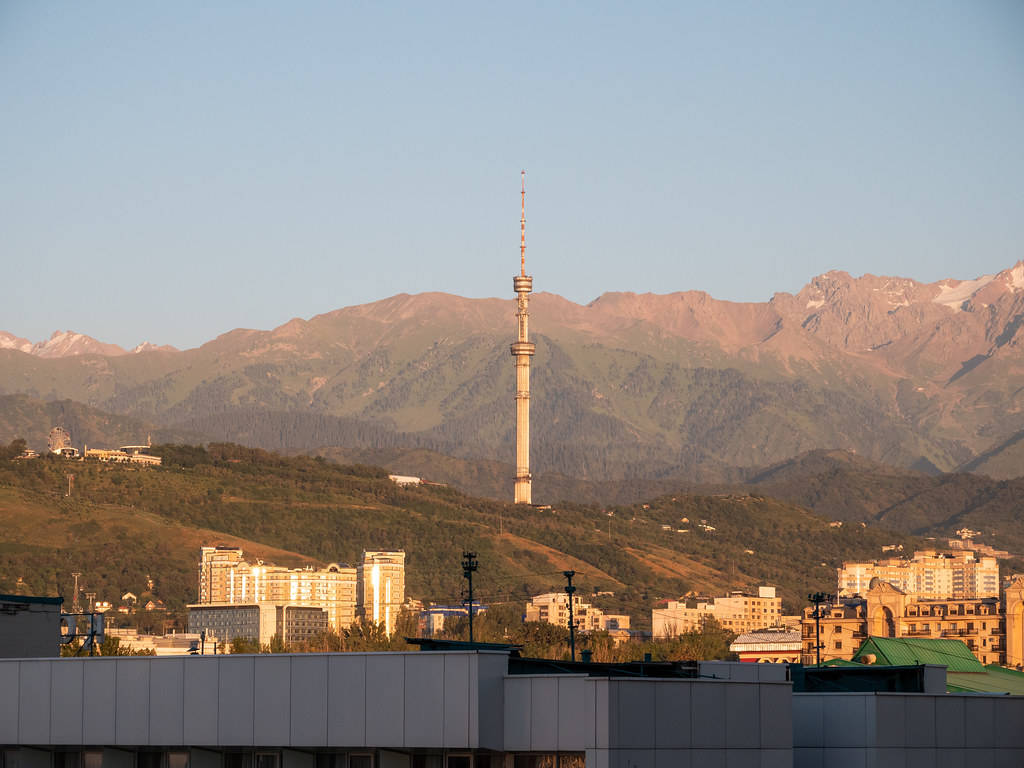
x=929 y=376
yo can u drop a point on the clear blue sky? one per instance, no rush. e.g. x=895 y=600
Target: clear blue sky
x=169 y=171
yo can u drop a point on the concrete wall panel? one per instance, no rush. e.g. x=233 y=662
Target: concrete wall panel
x=1009 y=723
x=602 y=714
x=518 y=696
x=635 y=725
x=132 y=701
x=776 y=715
x=201 y=694
x=979 y=721
x=845 y=721
x=271 y=700
x=459 y=699
x=346 y=700
x=426 y=701
x=99 y=717
x=890 y=721
x=490 y=685
x=309 y=701
x=672 y=715
x=167 y=701
x=572 y=728
x=742 y=719
x=67 y=683
x=949 y=722
x=920 y=721
x=34 y=702
x=544 y=714
x=674 y=758
x=385 y=700
x=9 y=674
x=708 y=715
x=235 y=690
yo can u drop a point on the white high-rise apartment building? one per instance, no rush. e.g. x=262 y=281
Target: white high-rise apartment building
x=381 y=588
x=929 y=575
x=374 y=591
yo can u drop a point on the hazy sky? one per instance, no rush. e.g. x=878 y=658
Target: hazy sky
x=169 y=171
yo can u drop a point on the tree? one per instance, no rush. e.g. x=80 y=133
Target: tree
x=244 y=645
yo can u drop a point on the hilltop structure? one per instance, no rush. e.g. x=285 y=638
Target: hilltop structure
x=522 y=350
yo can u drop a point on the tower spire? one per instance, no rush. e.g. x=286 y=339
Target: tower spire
x=522 y=350
x=522 y=230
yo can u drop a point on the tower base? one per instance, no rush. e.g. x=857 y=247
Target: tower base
x=523 y=490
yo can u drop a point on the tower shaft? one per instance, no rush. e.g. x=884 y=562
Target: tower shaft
x=522 y=350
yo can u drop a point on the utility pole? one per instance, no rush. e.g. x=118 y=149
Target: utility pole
x=76 y=607
x=570 y=590
x=71 y=484
x=819 y=599
x=469 y=566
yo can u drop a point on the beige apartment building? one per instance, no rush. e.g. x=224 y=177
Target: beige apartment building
x=343 y=592
x=887 y=611
x=738 y=612
x=553 y=608
x=929 y=575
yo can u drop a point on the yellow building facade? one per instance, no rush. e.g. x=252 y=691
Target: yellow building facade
x=887 y=611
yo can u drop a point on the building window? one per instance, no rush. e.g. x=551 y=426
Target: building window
x=839 y=645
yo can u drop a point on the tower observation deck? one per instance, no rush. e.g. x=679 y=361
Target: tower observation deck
x=522 y=351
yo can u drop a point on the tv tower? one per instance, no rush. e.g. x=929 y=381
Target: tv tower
x=522 y=351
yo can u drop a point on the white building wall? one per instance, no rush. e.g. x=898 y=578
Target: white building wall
x=376 y=700
x=907 y=729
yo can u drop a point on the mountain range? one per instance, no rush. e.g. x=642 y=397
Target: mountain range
x=667 y=388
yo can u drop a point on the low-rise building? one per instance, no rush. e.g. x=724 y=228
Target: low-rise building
x=774 y=645
x=738 y=612
x=553 y=608
x=258 y=622
x=126 y=454
x=432 y=619
x=174 y=644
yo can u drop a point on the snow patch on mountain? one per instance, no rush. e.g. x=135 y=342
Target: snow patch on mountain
x=10 y=341
x=1015 y=277
x=953 y=293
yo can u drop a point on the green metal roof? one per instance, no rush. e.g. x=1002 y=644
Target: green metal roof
x=993 y=679
x=905 y=651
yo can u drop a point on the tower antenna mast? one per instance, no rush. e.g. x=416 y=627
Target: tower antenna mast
x=522 y=350
x=522 y=230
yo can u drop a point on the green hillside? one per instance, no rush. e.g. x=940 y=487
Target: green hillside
x=846 y=487
x=123 y=523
